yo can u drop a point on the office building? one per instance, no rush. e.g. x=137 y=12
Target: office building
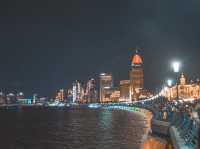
x=124 y=91
x=136 y=76
x=91 y=92
x=106 y=83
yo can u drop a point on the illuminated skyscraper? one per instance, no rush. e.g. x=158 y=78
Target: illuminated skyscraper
x=74 y=92
x=106 y=82
x=60 y=95
x=70 y=95
x=77 y=92
x=90 y=92
x=136 y=76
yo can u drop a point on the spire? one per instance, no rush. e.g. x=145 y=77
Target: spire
x=182 y=79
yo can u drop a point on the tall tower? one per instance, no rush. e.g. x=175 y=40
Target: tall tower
x=91 y=93
x=77 y=91
x=60 y=95
x=106 y=82
x=136 y=76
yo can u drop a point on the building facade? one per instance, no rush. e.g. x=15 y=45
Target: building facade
x=60 y=95
x=70 y=95
x=133 y=89
x=91 y=92
x=77 y=92
x=124 y=88
x=136 y=76
x=111 y=95
x=184 y=90
x=115 y=95
x=106 y=83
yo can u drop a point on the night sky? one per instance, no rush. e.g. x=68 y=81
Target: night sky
x=46 y=44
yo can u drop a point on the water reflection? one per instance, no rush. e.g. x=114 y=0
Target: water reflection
x=156 y=143
x=71 y=129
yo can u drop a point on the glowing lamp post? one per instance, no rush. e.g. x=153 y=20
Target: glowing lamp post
x=176 y=68
x=169 y=82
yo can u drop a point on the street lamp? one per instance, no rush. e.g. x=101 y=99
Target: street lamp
x=176 y=68
x=169 y=82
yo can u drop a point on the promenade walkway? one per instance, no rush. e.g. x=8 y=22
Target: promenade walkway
x=183 y=125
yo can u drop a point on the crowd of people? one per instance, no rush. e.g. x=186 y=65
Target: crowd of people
x=183 y=115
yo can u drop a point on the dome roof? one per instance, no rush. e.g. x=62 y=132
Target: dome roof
x=137 y=60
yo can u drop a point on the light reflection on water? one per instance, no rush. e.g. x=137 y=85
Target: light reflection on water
x=155 y=143
x=70 y=129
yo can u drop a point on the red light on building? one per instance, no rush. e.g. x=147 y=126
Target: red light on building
x=137 y=60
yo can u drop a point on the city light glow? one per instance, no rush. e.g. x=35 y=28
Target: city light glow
x=169 y=82
x=102 y=74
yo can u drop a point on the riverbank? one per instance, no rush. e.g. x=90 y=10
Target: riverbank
x=148 y=141
x=152 y=141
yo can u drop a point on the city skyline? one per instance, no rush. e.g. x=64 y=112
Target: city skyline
x=116 y=83
x=47 y=48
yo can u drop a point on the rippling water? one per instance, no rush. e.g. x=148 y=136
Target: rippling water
x=70 y=129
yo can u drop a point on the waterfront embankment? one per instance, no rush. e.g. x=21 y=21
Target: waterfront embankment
x=148 y=141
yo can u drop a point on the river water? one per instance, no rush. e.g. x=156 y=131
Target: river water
x=70 y=129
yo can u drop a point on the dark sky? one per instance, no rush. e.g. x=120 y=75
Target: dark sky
x=46 y=44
